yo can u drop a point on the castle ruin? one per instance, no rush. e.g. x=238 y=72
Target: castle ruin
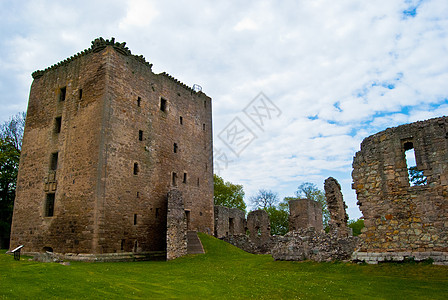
x=401 y=180
x=105 y=140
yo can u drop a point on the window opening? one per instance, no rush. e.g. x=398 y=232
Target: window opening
x=54 y=161
x=80 y=94
x=198 y=181
x=140 y=135
x=175 y=147
x=138 y=194
x=203 y=126
x=139 y=100
x=416 y=176
x=205 y=104
x=157 y=212
x=174 y=179
x=163 y=104
x=181 y=121
x=135 y=219
x=62 y=93
x=49 y=205
x=185 y=178
x=136 y=168
x=58 y=124
x=122 y=245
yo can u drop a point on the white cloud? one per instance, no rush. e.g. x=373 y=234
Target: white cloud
x=246 y=24
x=139 y=13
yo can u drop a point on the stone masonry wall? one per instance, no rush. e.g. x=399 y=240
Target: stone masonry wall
x=398 y=217
x=305 y=213
x=336 y=207
x=176 y=232
x=229 y=221
x=126 y=137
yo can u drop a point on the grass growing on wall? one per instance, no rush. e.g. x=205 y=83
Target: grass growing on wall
x=223 y=272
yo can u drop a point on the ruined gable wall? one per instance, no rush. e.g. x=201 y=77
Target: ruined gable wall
x=73 y=227
x=397 y=216
x=305 y=213
x=336 y=207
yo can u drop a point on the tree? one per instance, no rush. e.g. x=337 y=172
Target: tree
x=416 y=177
x=279 y=219
x=264 y=199
x=228 y=194
x=311 y=191
x=356 y=225
x=11 y=133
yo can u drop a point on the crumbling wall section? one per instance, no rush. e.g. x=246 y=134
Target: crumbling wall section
x=399 y=217
x=229 y=221
x=176 y=232
x=336 y=207
x=309 y=244
x=305 y=213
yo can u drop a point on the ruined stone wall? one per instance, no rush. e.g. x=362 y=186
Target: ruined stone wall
x=73 y=228
x=397 y=216
x=176 y=232
x=117 y=153
x=309 y=244
x=305 y=213
x=336 y=207
x=229 y=221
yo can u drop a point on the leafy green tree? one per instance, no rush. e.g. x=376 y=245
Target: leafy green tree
x=279 y=219
x=264 y=199
x=311 y=191
x=356 y=225
x=11 y=133
x=228 y=194
x=416 y=177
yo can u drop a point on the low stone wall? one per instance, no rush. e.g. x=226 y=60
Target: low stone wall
x=106 y=257
x=318 y=246
x=438 y=257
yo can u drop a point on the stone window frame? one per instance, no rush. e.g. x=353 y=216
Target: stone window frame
x=405 y=147
x=163 y=105
x=54 y=161
x=57 y=124
x=49 y=205
x=62 y=94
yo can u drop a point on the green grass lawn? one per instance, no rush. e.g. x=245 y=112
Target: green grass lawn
x=223 y=272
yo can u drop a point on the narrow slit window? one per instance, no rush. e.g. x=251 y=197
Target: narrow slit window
x=140 y=135
x=185 y=178
x=80 y=94
x=49 y=205
x=136 y=169
x=416 y=176
x=138 y=194
x=157 y=212
x=174 y=179
x=175 y=147
x=62 y=93
x=198 y=181
x=205 y=104
x=139 y=100
x=135 y=219
x=122 y=245
x=181 y=121
x=163 y=104
x=57 y=124
x=54 y=161
x=203 y=126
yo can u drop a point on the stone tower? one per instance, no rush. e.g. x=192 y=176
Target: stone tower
x=105 y=140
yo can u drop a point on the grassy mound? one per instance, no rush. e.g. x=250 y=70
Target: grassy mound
x=223 y=272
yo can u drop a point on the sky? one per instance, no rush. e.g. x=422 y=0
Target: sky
x=296 y=85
